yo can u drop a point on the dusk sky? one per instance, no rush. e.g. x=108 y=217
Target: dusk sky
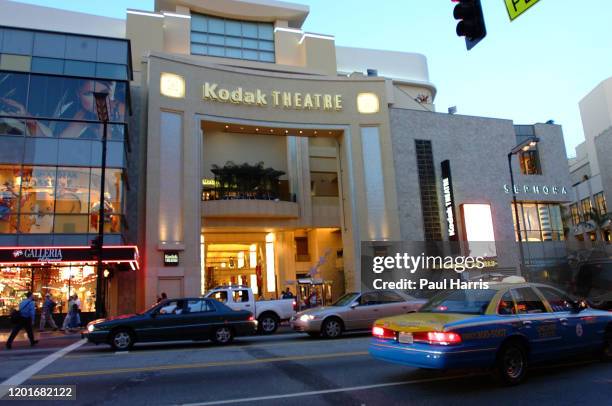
x=534 y=69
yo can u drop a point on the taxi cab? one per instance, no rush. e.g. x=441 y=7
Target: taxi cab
x=507 y=327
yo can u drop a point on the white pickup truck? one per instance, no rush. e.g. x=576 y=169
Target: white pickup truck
x=269 y=313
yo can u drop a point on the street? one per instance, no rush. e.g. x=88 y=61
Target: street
x=285 y=369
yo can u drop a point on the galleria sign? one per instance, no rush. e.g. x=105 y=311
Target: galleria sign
x=39 y=254
x=276 y=98
x=536 y=189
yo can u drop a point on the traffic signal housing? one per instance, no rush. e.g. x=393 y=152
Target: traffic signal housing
x=94 y=247
x=471 y=23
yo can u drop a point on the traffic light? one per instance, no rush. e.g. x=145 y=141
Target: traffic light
x=94 y=247
x=471 y=21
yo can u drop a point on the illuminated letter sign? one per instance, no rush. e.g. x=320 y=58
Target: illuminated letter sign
x=276 y=98
x=171 y=258
x=449 y=201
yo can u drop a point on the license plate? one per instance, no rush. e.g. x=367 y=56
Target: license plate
x=405 y=338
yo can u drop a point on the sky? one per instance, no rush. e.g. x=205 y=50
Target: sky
x=534 y=69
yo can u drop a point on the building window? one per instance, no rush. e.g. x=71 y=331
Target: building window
x=429 y=191
x=324 y=184
x=61 y=200
x=214 y=36
x=301 y=249
x=539 y=222
x=530 y=162
x=586 y=208
x=600 y=203
x=575 y=214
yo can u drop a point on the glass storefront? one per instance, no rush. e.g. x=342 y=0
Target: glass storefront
x=59 y=281
x=48 y=199
x=539 y=222
x=41 y=96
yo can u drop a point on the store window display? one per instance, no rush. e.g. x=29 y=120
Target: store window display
x=61 y=282
x=64 y=200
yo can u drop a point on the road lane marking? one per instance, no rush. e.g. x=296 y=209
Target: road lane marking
x=167 y=347
x=198 y=365
x=326 y=391
x=27 y=373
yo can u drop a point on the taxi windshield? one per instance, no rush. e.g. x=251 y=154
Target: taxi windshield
x=466 y=301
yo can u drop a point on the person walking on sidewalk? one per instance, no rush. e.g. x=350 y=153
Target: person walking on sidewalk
x=47 y=313
x=24 y=320
x=66 y=323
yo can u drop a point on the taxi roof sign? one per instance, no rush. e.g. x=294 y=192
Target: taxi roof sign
x=517 y=7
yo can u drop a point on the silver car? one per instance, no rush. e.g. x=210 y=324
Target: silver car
x=353 y=311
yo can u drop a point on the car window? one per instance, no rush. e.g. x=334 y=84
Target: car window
x=198 y=306
x=559 y=302
x=528 y=302
x=345 y=299
x=388 y=296
x=220 y=296
x=368 y=299
x=466 y=301
x=506 y=304
x=240 y=296
x=171 y=307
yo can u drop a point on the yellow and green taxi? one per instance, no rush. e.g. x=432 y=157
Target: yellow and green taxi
x=506 y=326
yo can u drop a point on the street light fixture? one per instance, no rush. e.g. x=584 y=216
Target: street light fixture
x=101 y=99
x=524 y=146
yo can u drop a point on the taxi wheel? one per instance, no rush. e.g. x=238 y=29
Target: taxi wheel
x=331 y=328
x=511 y=363
x=121 y=340
x=223 y=335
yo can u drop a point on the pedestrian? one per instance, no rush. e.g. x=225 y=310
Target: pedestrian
x=313 y=299
x=47 y=313
x=162 y=297
x=75 y=317
x=287 y=294
x=66 y=323
x=24 y=319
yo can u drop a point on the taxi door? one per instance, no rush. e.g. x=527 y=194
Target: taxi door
x=541 y=327
x=572 y=328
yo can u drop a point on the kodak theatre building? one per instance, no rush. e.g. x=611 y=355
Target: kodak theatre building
x=264 y=156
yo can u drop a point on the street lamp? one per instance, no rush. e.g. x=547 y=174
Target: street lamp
x=102 y=109
x=524 y=146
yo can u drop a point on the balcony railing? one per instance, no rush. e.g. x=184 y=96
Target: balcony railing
x=208 y=195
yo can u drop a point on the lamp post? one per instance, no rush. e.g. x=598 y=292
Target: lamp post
x=102 y=109
x=522 y=147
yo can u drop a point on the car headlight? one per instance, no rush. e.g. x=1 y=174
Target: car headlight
x=307 y=317
x=91 y=328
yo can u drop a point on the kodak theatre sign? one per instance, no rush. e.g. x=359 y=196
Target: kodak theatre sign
x=276 y=98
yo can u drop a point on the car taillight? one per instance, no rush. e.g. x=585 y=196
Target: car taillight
x=251 y=318
x=437 y=337
x=295 y=305
x=381 y=332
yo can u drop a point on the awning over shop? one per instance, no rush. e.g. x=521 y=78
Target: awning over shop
x=37 y=256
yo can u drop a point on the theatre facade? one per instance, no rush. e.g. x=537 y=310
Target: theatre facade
x=264 y=155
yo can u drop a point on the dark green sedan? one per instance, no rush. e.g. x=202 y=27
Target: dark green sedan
x=172 y=320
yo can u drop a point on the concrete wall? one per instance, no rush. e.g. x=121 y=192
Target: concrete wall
x=603 y=146
x=596 y=114
x=477 y=149
x=220 y=147
x=15 y=14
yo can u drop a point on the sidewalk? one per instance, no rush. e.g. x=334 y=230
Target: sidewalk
x=41 y=336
